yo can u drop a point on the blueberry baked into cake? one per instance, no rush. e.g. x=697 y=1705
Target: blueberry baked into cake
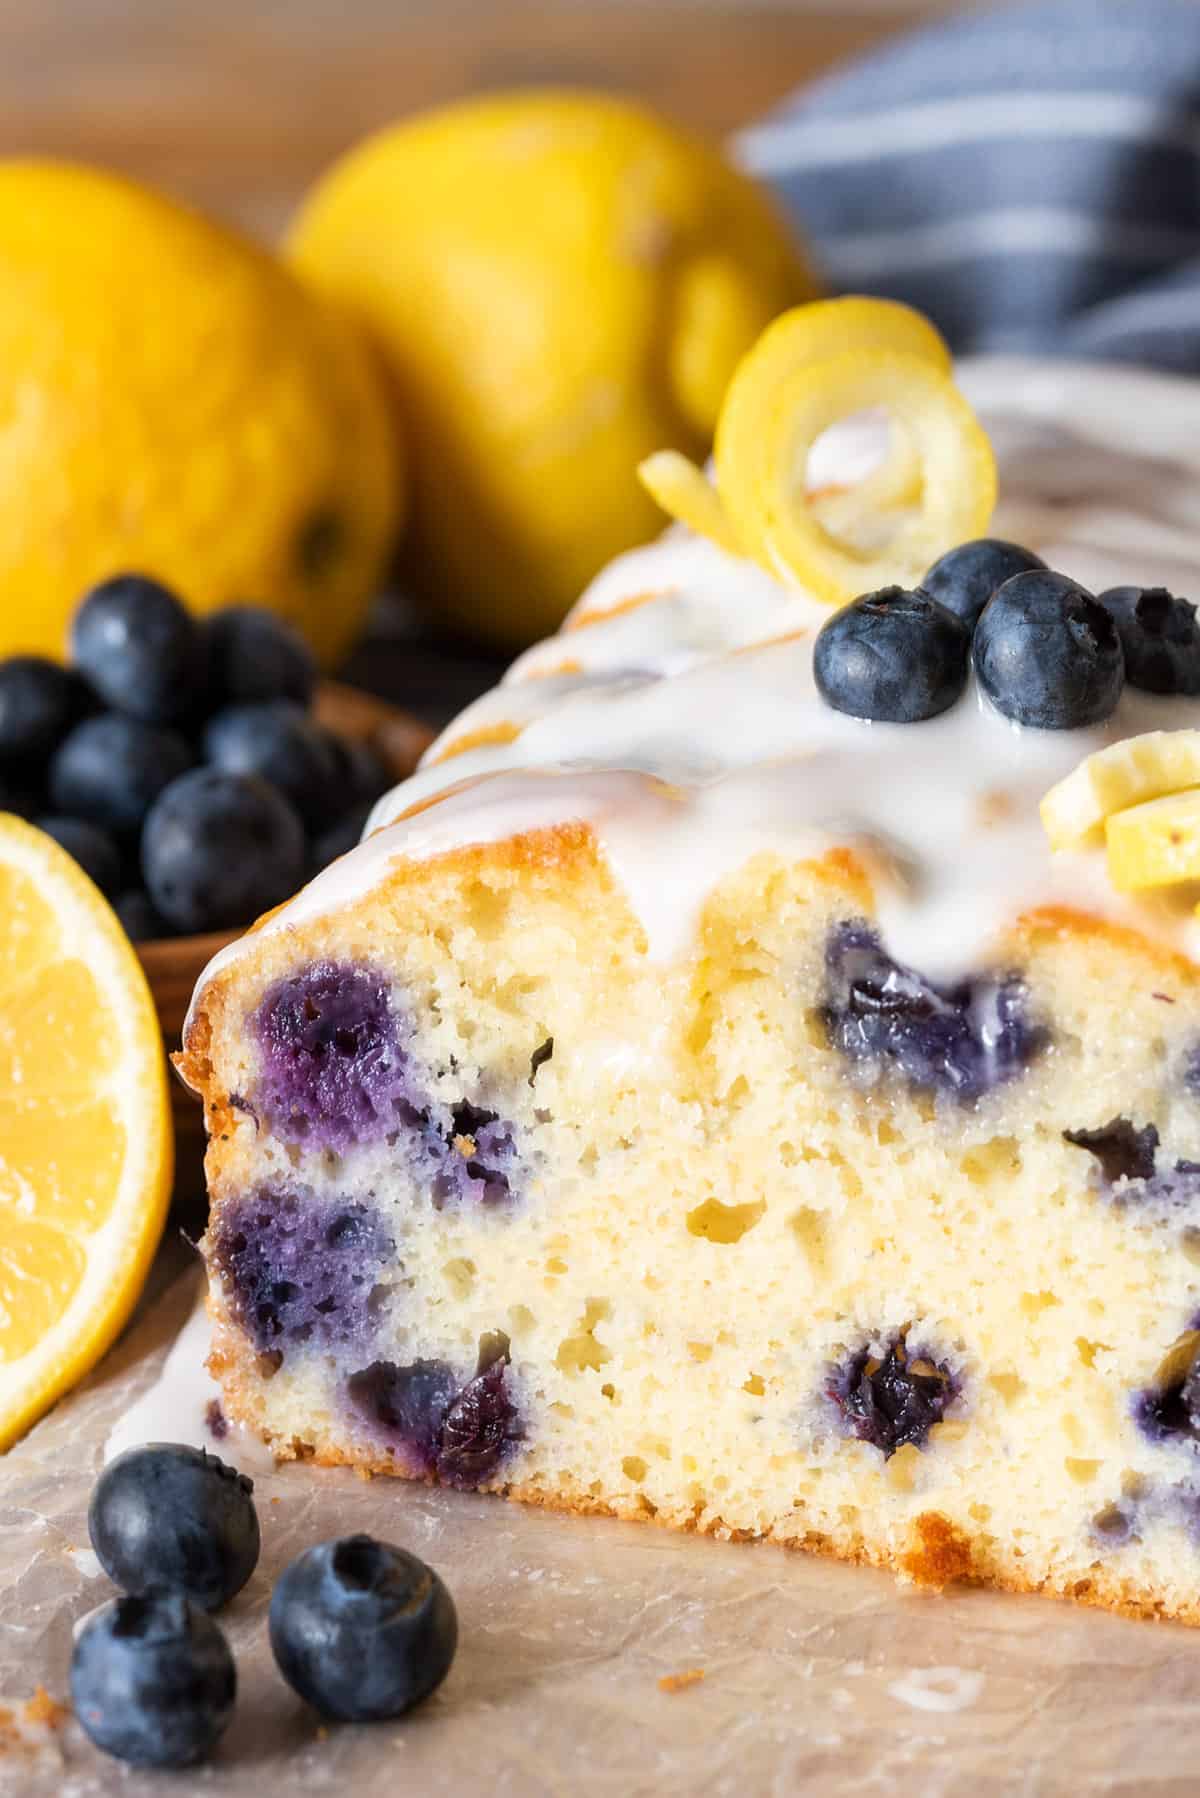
x=749 y=1077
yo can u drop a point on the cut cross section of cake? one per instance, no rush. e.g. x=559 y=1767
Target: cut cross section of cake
x=704 y=1098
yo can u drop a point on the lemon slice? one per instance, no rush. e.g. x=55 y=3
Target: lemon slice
x=766 y=431
x=1156 y=844
x=1122 y=775
x=686 y=494
x=85 y=1126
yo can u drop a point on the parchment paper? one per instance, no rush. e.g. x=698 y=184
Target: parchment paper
x=817 y=1678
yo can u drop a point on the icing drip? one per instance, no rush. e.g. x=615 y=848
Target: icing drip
x=676 y=712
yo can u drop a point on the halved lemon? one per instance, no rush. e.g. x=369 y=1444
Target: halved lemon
x=85 y=1126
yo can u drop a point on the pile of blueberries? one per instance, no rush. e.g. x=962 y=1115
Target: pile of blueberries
x=361 y=1630
x=177 y=759
x=1046 y=652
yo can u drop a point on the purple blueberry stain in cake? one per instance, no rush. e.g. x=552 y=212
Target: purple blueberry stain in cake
x=1127 y=1166
x=333 y=1065
x=454 y=1432
x=1115 y=1525
x=459 y=1153
x=1168 y=1411
x=892 y=1395
x=478 y=1429
x=961 y=1040
x=1122 y=1151
x=298 y=1270
x=406 y=1404
x=336 y=1073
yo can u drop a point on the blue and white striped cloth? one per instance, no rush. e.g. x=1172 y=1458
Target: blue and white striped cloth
x=1029 y=176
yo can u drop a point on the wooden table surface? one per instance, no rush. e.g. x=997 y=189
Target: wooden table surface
x=238 y=104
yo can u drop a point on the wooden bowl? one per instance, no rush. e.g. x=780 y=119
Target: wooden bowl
x=174 y=965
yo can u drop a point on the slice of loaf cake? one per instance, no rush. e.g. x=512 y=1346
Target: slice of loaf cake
x=692 y=1102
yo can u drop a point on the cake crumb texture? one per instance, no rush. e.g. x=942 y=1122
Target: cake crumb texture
x=778 y=1239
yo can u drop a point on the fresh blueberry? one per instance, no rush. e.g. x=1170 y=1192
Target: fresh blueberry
x=363 y=774
x=339 y=839
x=892 y=656
x=111 y=769
x=892 y=1396
x=961 y=1040
x=93 y=848
x=965 y=578
x=140 y=650
x=140 y=920
x=218 y=849
x=1047 y=654
x=38 y=701
x=279 y=742
x=171 y=1518
x=253 y=655
x=1159 y=637
x=19 y=795
x=361 y=1630
x=153 y=1681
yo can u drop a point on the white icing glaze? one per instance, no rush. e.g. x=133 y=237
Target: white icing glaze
x=175 y=1408
x=686 y=730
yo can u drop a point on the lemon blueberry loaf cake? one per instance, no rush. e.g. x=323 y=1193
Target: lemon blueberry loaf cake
x=719 y=1089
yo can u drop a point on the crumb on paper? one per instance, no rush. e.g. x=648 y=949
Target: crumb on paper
x=41 y=1708
x=25 y=1727
x=1163 y=998
x=215 y=1420
x=679 y=1682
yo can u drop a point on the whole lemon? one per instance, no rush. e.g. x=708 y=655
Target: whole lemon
x=174 y=400
x=562 y=283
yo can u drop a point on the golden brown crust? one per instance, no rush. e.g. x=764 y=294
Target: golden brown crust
x=579 y=621
x=938 y=1554
x=486 y=737
x=941 y=1555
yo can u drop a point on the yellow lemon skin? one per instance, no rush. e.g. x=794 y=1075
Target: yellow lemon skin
x=176 y=402
x=562 y=283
